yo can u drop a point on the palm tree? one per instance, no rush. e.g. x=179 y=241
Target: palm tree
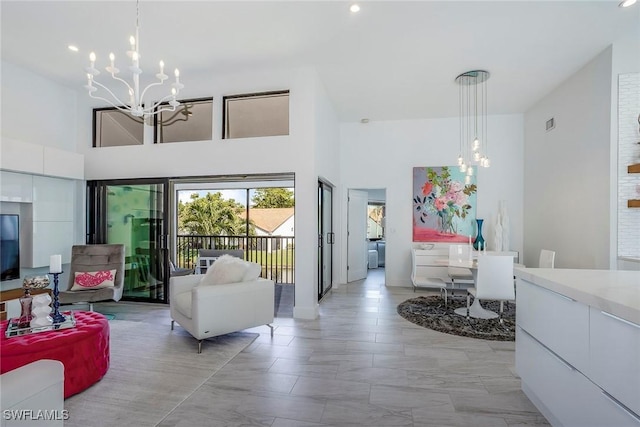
x=211 y=215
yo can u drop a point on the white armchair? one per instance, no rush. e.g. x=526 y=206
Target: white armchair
x=210 y=310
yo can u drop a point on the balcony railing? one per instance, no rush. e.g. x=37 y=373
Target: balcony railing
x=274 y=253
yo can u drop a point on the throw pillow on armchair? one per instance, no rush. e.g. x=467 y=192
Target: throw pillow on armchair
x=230 y=269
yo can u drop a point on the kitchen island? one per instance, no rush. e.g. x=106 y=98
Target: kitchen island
x=578 y=345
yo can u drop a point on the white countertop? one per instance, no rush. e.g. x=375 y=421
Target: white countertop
x=615 y=291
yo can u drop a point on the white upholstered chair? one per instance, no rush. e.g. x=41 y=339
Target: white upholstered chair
x=460 y=258
x=547 y=258
x=494 y=280
x=209 y=310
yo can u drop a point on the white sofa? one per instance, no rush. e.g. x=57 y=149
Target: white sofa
x=34 y=392
x=211 y=310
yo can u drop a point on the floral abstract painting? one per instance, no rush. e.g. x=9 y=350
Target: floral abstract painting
x=444 y=206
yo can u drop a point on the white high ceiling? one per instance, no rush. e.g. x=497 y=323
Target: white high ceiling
x=392 y=60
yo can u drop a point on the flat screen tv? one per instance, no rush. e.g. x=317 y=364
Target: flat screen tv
x=9 y=247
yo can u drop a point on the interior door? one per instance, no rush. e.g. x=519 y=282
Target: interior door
x=133 y=212
x=325 y=238
x=357 y=235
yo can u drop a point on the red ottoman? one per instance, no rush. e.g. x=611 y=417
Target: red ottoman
x=83 y=350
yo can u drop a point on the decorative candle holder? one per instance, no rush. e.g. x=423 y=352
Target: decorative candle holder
x=56 y=315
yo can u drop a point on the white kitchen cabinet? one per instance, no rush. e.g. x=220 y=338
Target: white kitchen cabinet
x=579 y=363
x=615 y=357
x=21 y=156
x=53 y=209
x=53 y=199
x=16 y=187
x=51 y=238
x=568 y=397
x=560 y=322
x=29 y=158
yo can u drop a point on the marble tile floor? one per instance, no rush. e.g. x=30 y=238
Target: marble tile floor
x=358 y=364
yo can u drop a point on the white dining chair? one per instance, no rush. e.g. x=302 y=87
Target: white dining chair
x=494 y=281
x=460 y=259
x=425 y=271
x=547 y=258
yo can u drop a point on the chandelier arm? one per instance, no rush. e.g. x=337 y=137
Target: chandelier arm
x=161 y=82
x=164 y=108
x=129 y=88
x=111 y=93
x=124 y=110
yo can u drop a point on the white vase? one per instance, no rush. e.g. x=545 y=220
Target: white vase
x=504 y=222
x=40 y=311
x=41 y=299
x=38 y=322
x=498 y=235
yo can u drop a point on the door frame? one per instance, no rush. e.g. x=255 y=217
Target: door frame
x=346 y=226
x=96 y=224
x=322 y=240
x=361 y=268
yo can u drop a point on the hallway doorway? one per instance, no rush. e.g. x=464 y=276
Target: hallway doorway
x=366 y=233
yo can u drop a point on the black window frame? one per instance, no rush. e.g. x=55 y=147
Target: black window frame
x=94 y=134
x=226 y=98
x=181 y=101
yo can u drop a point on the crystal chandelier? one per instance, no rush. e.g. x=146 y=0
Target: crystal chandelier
x=473 y=121
x=135 y=105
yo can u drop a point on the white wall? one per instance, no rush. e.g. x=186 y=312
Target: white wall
x=37 y=112
x=278 y=154
x=28 y=99
x=567 y=170
x=383 y=154
x=327 y=151
x=250 y=155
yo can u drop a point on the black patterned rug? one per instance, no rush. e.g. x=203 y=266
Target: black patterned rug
x=430 y=312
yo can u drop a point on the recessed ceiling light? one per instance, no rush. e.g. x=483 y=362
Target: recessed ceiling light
x=355 y=8
x=73 y=48
x=627 y=3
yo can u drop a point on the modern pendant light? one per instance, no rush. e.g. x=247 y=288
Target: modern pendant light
x=473 y=121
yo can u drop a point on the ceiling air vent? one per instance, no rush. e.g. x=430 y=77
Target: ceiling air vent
x=551 y=123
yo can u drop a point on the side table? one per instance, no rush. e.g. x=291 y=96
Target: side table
x=83 y=350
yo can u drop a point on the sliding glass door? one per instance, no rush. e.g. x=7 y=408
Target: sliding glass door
x=134 y=213
x=325 y=238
